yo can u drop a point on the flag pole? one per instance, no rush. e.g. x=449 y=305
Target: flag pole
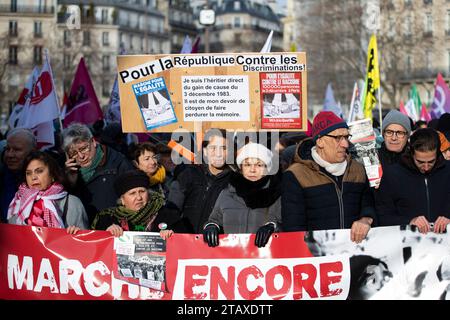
x=56 y=92
x=381 y=112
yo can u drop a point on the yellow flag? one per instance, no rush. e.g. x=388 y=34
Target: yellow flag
x=372 y=78
x=293 y=47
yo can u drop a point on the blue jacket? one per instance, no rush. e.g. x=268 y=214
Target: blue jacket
x=312 y=199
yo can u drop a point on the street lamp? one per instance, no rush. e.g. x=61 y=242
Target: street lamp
x=207 y=18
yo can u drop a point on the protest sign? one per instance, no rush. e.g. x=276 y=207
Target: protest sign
x=141 y=259
x=363 y=138
x=161 y=93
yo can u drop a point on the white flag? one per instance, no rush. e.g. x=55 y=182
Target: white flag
x=268 y=45
x=43 y=105
x=16 y=118
x=44 y=134
x=411 y=110
x=356 y=112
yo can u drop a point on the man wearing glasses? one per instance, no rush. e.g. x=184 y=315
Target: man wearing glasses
x=396 y=130
x=91 y=168
x=416 y=190
x=324 y=188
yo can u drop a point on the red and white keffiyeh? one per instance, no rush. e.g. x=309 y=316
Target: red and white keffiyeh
x=22 y=204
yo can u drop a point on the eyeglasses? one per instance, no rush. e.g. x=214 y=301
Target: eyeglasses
x=83 y=150
x=339 y=138
x=390 y=133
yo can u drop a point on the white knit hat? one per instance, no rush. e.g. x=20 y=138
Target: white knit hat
x=255 y=150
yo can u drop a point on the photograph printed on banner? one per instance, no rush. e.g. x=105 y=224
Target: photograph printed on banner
x=426 y=271
x=373 y=262
x=141 y=259
x=154 y=103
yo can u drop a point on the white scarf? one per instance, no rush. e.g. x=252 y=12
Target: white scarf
x=336 y=169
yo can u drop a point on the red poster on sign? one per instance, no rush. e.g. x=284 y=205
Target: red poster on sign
x=281 y=100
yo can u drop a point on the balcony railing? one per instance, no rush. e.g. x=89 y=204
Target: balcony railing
x=27 y=9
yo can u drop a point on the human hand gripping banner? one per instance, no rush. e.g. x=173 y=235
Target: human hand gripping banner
x=392 y=263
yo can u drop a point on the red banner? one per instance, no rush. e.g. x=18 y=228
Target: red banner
x=49 y=264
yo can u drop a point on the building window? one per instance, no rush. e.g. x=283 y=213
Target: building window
x=38 y=29
x=131 y=42
x=12 y=54
x=37 y=55
x=86 y=38
x=106 y=89
x=67 y=61
x=105 y=63
x=448 y=22
x=104 y=15
x=408 y=25
x=237 y=22
x=13 y=28
x=237 y=5
x=428 y=59
x=448 y=58
x=105 y=38
x=67 y=37
x=13 y=5
x=429 y=23
x=408 y=63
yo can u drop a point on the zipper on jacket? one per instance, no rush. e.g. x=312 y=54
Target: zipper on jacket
x=428 y=199
x=339 y=194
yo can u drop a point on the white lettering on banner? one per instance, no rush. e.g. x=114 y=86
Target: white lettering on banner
x=89 y=279
x=46 y=276
x=73 y=277
x=248 y=279
x=19 y=275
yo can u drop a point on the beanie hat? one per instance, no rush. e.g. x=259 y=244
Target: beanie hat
x=445 y=144
x=129 y=180
x=255 y=150
x=325 y=122
x=396 y=117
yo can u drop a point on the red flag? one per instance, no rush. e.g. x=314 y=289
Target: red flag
x=83 y=105
x=402 y=109
x=424 y=115
x=196 y=45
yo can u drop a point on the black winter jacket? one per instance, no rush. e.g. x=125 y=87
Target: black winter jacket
x=195 y=191
x=406 y=193
x=314 y=200
x=98 y=193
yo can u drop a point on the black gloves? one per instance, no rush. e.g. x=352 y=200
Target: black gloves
x=211 y=235
x=263 y=234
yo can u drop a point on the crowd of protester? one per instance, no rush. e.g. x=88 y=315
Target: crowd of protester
x=96 y=179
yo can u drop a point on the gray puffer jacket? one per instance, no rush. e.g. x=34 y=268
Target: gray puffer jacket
x=231 y=213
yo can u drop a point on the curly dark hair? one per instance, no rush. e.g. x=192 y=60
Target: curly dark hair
x=54 y=169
